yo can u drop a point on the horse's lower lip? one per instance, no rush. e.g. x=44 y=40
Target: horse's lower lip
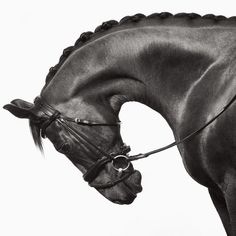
x=134 y=182
x=125 y=201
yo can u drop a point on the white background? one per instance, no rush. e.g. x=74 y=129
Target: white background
x=46 y=195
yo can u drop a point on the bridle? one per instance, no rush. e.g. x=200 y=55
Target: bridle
x=93 y=171
x=114 y=158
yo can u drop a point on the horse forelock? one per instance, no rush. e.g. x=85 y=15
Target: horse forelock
x=104 y=27
x=36 y=134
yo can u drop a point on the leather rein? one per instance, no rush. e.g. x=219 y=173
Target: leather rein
x=114 y=158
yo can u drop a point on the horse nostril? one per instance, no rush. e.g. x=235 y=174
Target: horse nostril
x=65 y=148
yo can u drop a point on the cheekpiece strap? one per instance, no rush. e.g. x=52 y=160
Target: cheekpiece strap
x=52 y=118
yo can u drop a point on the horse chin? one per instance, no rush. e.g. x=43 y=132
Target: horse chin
x=124 y=192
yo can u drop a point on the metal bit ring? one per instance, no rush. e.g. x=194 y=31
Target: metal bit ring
x=121 y=168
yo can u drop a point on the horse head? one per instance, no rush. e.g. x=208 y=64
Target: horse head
x=95 y=148
x=79 y=105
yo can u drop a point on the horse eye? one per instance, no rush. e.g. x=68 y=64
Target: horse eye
x=65 y=148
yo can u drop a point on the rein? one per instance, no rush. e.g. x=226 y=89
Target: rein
x=114 y=158
x=144 y=155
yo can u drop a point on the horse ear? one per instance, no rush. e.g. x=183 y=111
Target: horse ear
x=19 y=108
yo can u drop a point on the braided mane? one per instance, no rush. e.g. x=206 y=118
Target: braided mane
x=86 y=36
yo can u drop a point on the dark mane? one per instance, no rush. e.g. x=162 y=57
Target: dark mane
x=86 y=36
x=36 y=134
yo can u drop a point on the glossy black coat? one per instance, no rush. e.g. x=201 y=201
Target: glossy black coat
x=182 y=66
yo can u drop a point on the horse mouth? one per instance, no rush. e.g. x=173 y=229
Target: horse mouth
x=124 y=192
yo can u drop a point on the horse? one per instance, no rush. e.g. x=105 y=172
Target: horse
x=182 y=66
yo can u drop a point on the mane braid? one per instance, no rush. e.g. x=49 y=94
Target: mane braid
x=86 y=36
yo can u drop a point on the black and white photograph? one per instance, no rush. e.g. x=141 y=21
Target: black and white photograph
x=118 y=118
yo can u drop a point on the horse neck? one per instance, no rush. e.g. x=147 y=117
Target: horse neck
x=152 y=64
